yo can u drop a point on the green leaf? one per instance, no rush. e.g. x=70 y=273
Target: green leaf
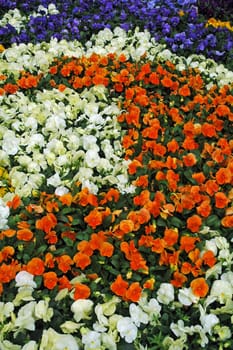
x=176 y=222
x=213 y=221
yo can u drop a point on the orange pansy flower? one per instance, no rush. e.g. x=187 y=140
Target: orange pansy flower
x=94 y=218
x=172 y=146
x=211 y=187
x=199 y=177
x=119 y=286
x=204 y=209
x=50 y=279
x=24 y=234
x=15 y=202
x=63 y=282
x=199 y=287
x=8 y=272
x=221 y=200
x=86 y=247
x=46 y=223
x=224 y=176
x=49 y=260
x=187 y=243
x=35 y=266
x=184 y=91
x=194 y=223
x=209 y=258
x=126 y=225
x=158 y=245
x=81 y=260
x=208 y=130
x=106 y=249
x=6 y=252
x=134 y=292
x=9 y=233
x=143 y=216
x=81 y=291
x=227 y=221
x=171 y=236
x=178 y=279
x=64 y=262
x=189 y=159
x=222 y=110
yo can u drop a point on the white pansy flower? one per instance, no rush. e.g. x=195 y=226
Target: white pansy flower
x=55 y=146
x=56 y=341
x=127 y=329
x=31 y=123
x=92 y=158
x=221 y=243
x=25 y=318
x=24 y=279
x=4 y=158
x=35 y=141
x=151 y=307
x=108 y=341
x=99 y=327
x=91 y=109
x=103 y=165
x=208 y=321
x=109 y=307
x=10 y=143
x=91 y=340
x=215 y=271
x=61 y=294
x=89 y=141
x=82 y=309
x=112 y=322
x=73 y=142
x=83 y=174
x=69 y=327
x=43 y=311
x=221 y=290
x=179 y=329
x=5 y=310
x=228 y=277
x=165 y=293
x=137 y=315
x=102 y=319
x=186 y=297
x=211 y=245
x=201 y=332
x=54 y=180
x=223 y=332
x=24 y=294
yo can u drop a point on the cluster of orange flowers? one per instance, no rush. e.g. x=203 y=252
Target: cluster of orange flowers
x=177 y=135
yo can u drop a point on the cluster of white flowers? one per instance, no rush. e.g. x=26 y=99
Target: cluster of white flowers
x=61 y=138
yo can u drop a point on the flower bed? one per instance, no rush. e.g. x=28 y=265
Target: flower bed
x=116 y=196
